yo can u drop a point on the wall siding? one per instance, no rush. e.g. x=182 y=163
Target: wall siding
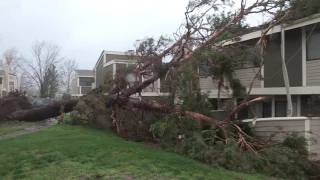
x=99 y=72
x=313 y=73
x=206 y=84
x=315 y=135
x=74 y=87
x=246 y=75
x=276 y=130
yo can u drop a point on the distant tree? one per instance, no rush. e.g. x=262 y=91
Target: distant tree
x=51 y=82
x=25 y=82
x=66 y=96
x=66 y=73
x=10 y=57
x=42 y=67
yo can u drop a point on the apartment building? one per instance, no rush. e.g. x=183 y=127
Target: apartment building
x=82 y=82
x=110 y=62
x=302 y=56
x=8 y=80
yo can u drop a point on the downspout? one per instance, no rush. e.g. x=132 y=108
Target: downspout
x=285 y=74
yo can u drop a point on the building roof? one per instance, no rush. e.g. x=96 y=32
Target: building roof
x=84 y=72
x=292 y=25
x=124 y=53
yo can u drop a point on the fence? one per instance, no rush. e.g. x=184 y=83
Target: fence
x=277 y=128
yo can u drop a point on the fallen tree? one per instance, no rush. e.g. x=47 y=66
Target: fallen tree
x=200 y=33
x=202 y=41
x=14 y=102
x=45 y=112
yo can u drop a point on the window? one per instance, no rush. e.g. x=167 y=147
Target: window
x=267 y=108
x=281 y=109
x=86 y=81
x=214 y=103
x=204 y=70
x=261 y=110
x=121 y=67
x=313 y=52
x=251 y=59
x=0 y=80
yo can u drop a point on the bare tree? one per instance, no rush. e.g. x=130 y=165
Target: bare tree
x=11 y=56
x=44 y=56
x=25 y=82
x=67 y=70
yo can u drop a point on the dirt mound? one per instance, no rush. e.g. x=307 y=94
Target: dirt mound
x=14 y=101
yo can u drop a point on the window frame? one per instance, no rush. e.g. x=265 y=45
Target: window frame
x=207 y=74
x=85 y=82
x=317 y=31
x=294 y=108
x=252 y=62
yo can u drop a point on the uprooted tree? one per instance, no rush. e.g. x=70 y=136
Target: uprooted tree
x=202 y=41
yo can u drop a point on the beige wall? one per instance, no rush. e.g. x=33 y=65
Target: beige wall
x=206 y=84
x=277 y=129
x=313 y=73
x=246 y=75
x=315 y=135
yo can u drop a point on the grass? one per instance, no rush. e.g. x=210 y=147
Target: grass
x=66 y=118
x=74 y=152
x=9 y=130
x=11 y=127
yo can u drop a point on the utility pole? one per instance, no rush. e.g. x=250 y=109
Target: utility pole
x=285 y=74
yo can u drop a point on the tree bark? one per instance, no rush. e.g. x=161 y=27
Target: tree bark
x=49 y=111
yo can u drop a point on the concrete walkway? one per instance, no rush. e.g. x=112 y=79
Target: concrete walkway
x=37 y=127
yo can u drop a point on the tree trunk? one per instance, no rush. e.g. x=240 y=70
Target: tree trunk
x=38 y=114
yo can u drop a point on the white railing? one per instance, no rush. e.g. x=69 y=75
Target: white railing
x=277 y=119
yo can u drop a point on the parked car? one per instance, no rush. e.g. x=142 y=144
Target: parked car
x=42 y=102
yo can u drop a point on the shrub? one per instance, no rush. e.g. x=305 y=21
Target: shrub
x=283 y=162
x=287 y=161
x=77 y=119
x=66 y=96
x=297 y=143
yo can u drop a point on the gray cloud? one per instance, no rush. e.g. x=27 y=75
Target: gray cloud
x=85 y=28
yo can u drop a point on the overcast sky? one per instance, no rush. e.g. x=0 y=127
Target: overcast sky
x=83 y=28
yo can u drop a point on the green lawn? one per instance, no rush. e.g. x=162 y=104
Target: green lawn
x=8 y=130
x=73 y=152
x=11 y=127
